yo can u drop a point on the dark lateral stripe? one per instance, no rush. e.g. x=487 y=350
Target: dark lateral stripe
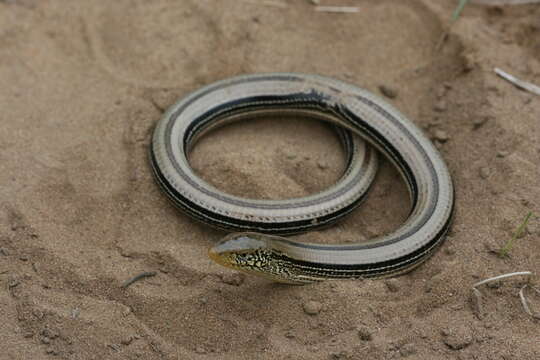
x=379 y=268
x=303 y=101
x=199 y=124
x=390 y=150
x=211 y=115
x=310 y=101
x=228 y=223
x=291 y=101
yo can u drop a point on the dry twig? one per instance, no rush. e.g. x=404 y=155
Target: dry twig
x=138 y=277
x=517 y=82
x=273 y=3
x=525 y=303
x=337 y=9
x=478 y=295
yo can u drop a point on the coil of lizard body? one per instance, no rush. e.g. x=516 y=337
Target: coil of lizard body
x=367 y=126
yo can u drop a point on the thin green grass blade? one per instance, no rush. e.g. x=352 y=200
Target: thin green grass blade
x=459 y=9
x=508 y=246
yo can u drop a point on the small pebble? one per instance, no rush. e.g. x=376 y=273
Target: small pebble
x=48 y=333
x=502 y=153
x=440 y=106
x=440 y=92
x=127 y=340
x=312 y=307
x=392 y=285
x=52 y=351
x=234 y=278
x=441 y=136
x=479 y=122
x=75 y=313
x=4 y=251
x=484 y=172
x=45 y=340
x=470 y=62
x=387 y=91
x=458 y=338
x=162 y=99
x=407 y=350
x=338 y=355
x=38 y=313
x=436 y=120
x=365 y=333
x=449 y=250
x=289 y=335
x=200 y=350
x=290 y=156
x=322 y=165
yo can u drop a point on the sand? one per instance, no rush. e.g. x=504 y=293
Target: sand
x=84 y=82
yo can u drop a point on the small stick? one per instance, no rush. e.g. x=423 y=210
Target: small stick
x=478 y=295
x=138 y=277
x=267 y=3
x=337 y=9
x=504 y=276
x=441 y=41
x=524 y=300
x=504 y=251
x=525 y=303
x=506 y=2
x=517 y=82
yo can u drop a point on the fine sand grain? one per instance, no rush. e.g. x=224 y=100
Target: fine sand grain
x=82 y=84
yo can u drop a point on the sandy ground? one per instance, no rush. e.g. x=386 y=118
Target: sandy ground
x=83 y=82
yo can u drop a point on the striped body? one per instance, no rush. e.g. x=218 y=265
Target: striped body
x=359 y=113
